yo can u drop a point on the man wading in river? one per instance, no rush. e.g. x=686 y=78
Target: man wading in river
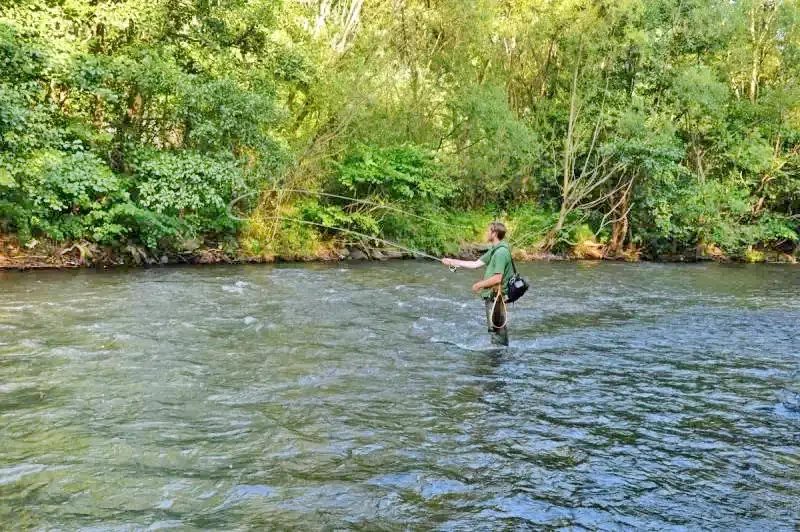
x=498 y=270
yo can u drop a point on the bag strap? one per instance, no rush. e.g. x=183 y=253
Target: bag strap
x=491 y=254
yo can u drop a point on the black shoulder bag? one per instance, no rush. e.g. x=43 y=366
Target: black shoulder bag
x=516 y=285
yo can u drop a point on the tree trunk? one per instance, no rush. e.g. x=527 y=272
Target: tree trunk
x=322 y=17
x=568 y=164
x=351 y=22
x=546 y=68
x=754 y=72
x=762 y=19
x=620 y=225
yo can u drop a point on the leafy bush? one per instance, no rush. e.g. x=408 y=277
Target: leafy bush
x=21 y=62
x=405 y=177
x=403 y=174
x=438 y=232
x=492 y=150
x=335 y=216
x=61 y=181
x=151 y=229
x=220 y=115
x=187 y=185
x=719 y=213
x=175 y=182
x=529 y=223
x=75 y=195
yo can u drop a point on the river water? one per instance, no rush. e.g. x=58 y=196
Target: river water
x=367 y=396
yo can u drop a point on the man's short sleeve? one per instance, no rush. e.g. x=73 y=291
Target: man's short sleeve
x=485 y=257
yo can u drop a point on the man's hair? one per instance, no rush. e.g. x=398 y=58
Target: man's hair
x=498 y=228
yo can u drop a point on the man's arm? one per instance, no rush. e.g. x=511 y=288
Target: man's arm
x=491 y=282
x=468 y=264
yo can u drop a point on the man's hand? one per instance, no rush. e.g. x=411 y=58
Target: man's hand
x=492 y=282
x=448 y=262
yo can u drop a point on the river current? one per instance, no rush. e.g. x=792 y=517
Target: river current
x=367 y=396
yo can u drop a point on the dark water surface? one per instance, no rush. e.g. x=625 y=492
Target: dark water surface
x=366 y=396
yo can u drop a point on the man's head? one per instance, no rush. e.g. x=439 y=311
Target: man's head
x=496 y=232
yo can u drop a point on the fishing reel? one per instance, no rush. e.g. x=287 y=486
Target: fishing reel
x=452 y=269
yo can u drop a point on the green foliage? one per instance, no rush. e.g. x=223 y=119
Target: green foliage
x=154 y=230
x=62 y=181
x=582 y=233
x=185 y=182
x=719 y=213
x=137 y=122
x=335 y=216
x=220 y=114
x=496 y=151
x=119 y=138
x=700 y=94
x=21 y=62
x=529 y=224
x=439 y=232
x=406 y=173
x=403 y=178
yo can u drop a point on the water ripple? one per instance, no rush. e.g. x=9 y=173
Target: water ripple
x=368 y=397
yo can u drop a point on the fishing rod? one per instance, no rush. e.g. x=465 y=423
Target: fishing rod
x=412 y=251
x=370 y=237
x=363 y=235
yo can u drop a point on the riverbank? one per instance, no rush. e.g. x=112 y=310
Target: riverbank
x=45 y=254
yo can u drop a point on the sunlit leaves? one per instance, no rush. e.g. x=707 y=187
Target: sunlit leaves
x=402 y=174
x=131 y=121
x=172 y=183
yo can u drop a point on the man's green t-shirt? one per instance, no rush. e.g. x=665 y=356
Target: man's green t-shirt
x=497 y=260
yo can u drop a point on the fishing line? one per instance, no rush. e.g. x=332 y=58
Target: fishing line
x=337 y=196
x=499 y=297
x=350 y=231
x=364 y=235
x=342 y=229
